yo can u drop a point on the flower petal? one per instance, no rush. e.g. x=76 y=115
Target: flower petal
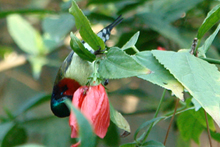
x=78 y=98
x=96 y=108
x=73 y=125
x=94 y=104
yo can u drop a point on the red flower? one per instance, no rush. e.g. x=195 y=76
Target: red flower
x=93 y=103
x=161 y=48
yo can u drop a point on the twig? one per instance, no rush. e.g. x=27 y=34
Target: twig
x=171 y=121
x=194 y=44
x=207 y=124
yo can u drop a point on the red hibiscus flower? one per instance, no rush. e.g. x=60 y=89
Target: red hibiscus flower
x=93 y=103
x=161 y=48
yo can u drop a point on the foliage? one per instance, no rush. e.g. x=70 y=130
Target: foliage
x=146 y=25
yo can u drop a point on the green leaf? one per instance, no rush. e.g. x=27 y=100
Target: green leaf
x=182 y=143
x=55 y=28
x=84 y=27
x=102 y=1
x=5 y=127
x=79 y=48
x=155 y=22
x=112 y=139
x=128 y=145
x=189 y=126
x=32 y=103
x=145 y=125
x=31 y=145
x=199 y=77
x=196 y=104
x=204 y=48
x=118 y=64
x=15 y=136
x=9 y=114
x=37 y=62
x=5 y=50
x=211 y=19
x=215 y=135
x=118 y=119
x=152 y=143
x=131 y=43
x=160 y=15
x=171 y=10
x=46 y=128
x=26 y=37
x=130 y=6
x=159 y=75
x=87 y=137
x=200 y=116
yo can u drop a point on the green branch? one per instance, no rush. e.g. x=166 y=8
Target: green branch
x=155 y=115
x=135 y=49
x=210 y=60
x=26 y=11
x=138 y=112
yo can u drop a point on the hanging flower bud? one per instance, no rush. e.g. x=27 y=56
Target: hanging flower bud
x=93 y=103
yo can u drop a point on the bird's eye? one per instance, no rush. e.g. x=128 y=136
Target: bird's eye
x=64 y=89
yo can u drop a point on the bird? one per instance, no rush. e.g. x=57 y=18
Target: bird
x=73 y=73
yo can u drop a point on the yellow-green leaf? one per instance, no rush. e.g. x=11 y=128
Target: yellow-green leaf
x=159 y=75
x=84 y=27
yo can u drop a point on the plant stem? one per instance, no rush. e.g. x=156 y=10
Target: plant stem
x=207 y=124
x=168 y=115
x=210 y=60
x=171 y=121
x=135 y=49
x=150 y=110
x=155 y=115
x=194 y=47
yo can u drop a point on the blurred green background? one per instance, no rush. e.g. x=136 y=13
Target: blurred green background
x=35 y=41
